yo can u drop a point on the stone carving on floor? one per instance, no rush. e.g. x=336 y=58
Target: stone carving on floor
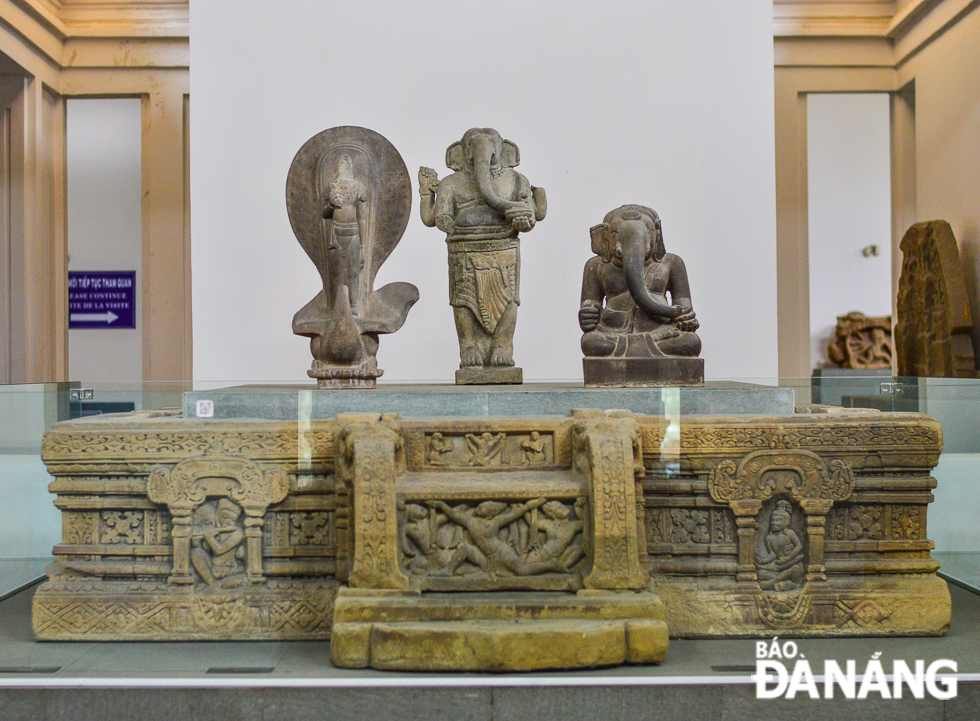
x=348 y=195
x=934 y=326
x=861 y=342
x=482 y=207
x=632 y=335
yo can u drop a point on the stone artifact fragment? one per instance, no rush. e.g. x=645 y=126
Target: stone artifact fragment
x=482 y=207
x=932 y=335
x=861 y=342
x=348 y=195
x=633 y=335
x=492 y=543
x=803 y=525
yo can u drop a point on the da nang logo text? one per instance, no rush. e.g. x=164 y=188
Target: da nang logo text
x=782 y=671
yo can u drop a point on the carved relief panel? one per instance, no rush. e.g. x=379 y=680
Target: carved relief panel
x=493 y=543
x=217 y=502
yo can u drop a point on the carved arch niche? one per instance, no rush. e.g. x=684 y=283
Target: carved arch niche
x=800 y=477
x=215 y=475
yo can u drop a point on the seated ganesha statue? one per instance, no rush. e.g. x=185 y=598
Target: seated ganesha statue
x=624 y=311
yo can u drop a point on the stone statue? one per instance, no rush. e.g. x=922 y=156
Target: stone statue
x=482 y=207
x=781 y=566
x=934 y=325
x=632 y=335
x=348 y=195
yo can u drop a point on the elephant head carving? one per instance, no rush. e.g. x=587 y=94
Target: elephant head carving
x=482 y=207
x=631 y=236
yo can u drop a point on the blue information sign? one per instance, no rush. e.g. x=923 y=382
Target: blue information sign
x=102 y=299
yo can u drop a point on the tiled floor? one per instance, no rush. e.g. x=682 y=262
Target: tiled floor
x=695 y=661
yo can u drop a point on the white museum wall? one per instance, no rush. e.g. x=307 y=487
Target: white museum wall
x=849 y=208
x=105 y=227
x=661 y=103
x=947 y=152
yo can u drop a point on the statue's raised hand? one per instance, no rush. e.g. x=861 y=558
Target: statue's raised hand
x=521 y=220
x=428 y=181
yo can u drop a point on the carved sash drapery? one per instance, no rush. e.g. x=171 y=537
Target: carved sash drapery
x=798 y=474
x=190 y=482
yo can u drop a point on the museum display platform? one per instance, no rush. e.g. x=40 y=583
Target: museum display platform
x=294 y=680
x=290 y=402
x=679 y=474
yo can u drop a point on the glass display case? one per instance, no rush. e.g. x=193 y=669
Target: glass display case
x=293 y=538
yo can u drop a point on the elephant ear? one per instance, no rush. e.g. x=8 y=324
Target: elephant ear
x=456 y=157
x=510 y=155
x=659 y=250
x=600 y=241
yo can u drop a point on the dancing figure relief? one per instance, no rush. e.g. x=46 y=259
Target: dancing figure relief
x=493 y=538
x=218 y=544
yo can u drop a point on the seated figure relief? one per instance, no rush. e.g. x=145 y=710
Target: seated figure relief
x=624 y=310
x=781 y=564
x=218 y=544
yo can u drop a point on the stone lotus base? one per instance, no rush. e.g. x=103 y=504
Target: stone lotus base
x=492 y=543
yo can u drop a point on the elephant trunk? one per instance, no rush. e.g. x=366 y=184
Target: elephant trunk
x=484 y=149
x=633 y=242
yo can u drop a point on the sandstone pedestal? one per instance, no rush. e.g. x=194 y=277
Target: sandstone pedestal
x=502 y=632
x=492 y=543
x=643 y=372
x=489 y=375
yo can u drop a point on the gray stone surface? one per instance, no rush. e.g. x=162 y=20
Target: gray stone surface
x=290 y=402
x=643 y=372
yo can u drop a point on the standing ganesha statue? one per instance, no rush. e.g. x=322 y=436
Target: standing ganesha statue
x=482 y=207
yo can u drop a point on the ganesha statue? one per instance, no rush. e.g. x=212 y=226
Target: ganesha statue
x=482 y=207
x=634 y=336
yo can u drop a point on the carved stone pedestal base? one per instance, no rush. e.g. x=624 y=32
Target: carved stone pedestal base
x=482 y=376
x=912 y=605
x=153 y=611
x=643 y=372
x=496 y=632
x=331 y=377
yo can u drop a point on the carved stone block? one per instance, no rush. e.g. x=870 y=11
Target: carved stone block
x=829 y=527
x=932 y=335
x=643 y=372
x=492 y=543
x=861 y=342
